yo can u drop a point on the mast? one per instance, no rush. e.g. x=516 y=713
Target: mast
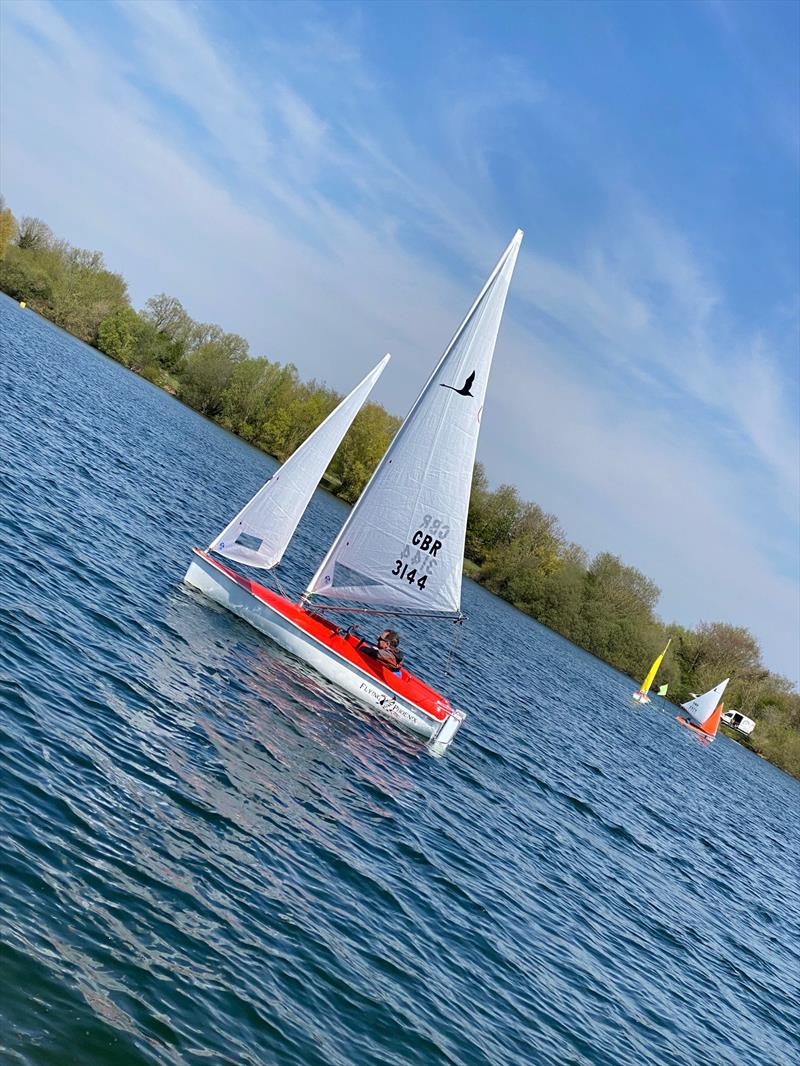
x=402 y=545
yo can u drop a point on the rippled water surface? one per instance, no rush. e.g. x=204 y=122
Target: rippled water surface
x=209 y=856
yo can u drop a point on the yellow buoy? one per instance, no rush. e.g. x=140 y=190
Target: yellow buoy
x=22 y=303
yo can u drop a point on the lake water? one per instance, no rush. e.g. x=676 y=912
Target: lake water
x=210 y=857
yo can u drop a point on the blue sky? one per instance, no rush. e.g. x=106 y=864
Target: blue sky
x=336 y=180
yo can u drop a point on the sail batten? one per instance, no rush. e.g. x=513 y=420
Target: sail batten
x=402 y=546
x=260 y=533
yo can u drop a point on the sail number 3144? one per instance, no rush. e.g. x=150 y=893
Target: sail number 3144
x=426 y=542
x=403 y=571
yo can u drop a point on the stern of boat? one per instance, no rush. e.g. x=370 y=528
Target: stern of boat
x=443 y=737
x=196 y=574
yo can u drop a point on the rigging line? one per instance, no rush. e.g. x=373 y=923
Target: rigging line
x=391 y=614
x=281 y=589
x=454 y=646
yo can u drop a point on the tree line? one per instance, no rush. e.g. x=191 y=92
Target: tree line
x=264 y=402
x=513 y=547
x=520 y=553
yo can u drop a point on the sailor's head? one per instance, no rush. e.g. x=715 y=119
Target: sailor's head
x=390 y=637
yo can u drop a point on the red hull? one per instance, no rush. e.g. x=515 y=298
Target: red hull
x=402 y=683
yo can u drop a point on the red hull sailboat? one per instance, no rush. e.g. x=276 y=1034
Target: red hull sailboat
x=401 y=550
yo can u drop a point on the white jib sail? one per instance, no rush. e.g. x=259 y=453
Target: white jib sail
x=702 y=707
x=402 y=545
x=260 y=533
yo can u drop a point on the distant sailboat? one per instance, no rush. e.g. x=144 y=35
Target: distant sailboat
x=401 y=549
x=663 y=690
x=703 y=713
x=641 y=694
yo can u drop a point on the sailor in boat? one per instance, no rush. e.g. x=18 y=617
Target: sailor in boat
x=386 y=651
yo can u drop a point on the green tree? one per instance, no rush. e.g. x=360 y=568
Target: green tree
x=167 y=315
x=617 y=621
x=8 y=227
x=33 y=235
x=256 y=389
x=292 y=423
x=473 y=545
x=526 y=554
x=26 y=277
x=559 y=596
x=157 y=350
x=713 y=651
x=84 y=293
x=118 y=335
x=362 y=449
x=492 y=518
x=723 y=646
x=205 y=376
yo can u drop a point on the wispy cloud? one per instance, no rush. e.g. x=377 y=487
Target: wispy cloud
x=192 y=69
x=780 y=110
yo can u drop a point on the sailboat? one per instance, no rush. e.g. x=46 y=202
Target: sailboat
x=703 y=713
x=400 y=551
x=663 y=690
x=641 y=693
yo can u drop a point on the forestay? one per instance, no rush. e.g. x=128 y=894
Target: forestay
x=702 y=707
x=260 y=533
x=402 y=546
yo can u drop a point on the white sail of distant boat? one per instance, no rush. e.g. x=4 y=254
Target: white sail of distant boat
x=261 y=531
x=402 y=546
x=702 y=707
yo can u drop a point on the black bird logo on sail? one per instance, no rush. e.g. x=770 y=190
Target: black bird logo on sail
x=465 y=389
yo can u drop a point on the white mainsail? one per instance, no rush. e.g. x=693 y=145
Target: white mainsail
x=402 y=545
x=702 y=707
x=260 y=533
